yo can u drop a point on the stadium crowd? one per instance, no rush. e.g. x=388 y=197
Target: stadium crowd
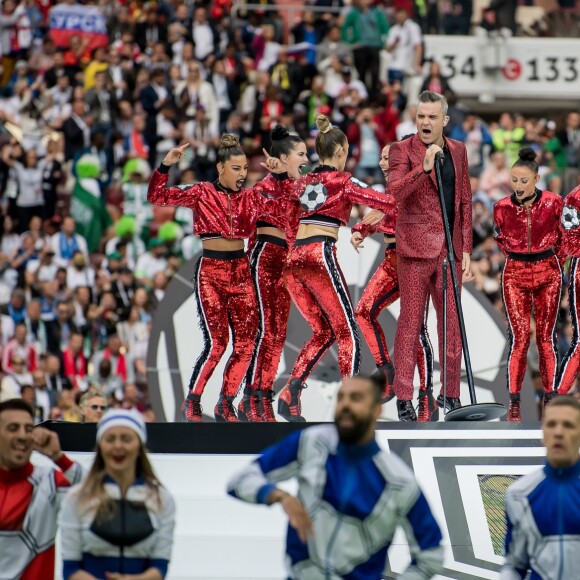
x=84 y=259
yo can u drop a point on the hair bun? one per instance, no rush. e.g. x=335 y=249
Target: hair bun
x=527 y=154
x=279 y=133
x=228 y=140
x=323 y=123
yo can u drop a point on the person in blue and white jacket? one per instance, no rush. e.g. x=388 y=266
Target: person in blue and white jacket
x=118 y=524
x=543 y=507
x=351 y=496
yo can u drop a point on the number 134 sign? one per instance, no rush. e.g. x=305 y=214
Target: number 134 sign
x=530 y=67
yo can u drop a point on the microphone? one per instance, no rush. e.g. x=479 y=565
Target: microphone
x=439 y=156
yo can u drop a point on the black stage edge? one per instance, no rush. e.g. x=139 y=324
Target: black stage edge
x=245 y=438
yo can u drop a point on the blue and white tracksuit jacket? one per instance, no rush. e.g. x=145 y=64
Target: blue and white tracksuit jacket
x=543 y=525
x=138 y=536
x=356 y=496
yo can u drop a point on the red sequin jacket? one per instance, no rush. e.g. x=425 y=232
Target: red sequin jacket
x=571 y=224
x=327 y=193
x=386 y=226
x=217 y=210
x=529 y=230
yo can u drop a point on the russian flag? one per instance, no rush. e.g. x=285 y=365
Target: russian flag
x=66 y=20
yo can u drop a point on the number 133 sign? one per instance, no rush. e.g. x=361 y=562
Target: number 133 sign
x=532 y=68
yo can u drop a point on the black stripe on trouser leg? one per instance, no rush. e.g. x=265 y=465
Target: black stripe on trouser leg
x=377 y=306
x=425 y=342
x=509 y=326
x=257 y=251
x=344 y=300
x=203 y=325
x=572 y=297
x=554 y=337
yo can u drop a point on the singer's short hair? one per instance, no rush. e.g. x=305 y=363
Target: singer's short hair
x=433 y=97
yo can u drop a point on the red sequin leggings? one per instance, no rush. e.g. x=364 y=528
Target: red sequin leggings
x=318 y=288
x=528 y=285
x=571 y=363
x=380 y=292
x=226 y=299
x=267 y=260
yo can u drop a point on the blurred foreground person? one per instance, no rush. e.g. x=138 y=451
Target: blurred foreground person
x=29 y=495
x=118 y=524
x=351 y=495
x=543 y=507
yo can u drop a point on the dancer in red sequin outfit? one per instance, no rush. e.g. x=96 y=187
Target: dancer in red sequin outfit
x=313 y=276
x=380 y=292
x=225 y=214
x=267 y=260
x=527 y=229
x=571 y=247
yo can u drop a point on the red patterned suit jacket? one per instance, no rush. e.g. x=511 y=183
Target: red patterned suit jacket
x=419 y=227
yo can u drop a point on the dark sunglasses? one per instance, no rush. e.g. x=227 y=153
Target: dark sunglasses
x=98 y=407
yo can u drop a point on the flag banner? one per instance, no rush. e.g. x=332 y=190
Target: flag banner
x=87 y=22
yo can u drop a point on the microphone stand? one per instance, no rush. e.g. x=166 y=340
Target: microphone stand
x=476 y=411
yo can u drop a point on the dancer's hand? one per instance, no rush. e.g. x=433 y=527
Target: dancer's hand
x=175 y=155
x=297 y=516
x=356 y=240
x=272 y=164
x=373 y=217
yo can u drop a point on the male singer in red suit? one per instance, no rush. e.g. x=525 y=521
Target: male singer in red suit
x=421 y=245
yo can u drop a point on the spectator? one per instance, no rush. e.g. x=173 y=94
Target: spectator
x=75 y=363
x=409 y=125
x=204 y=35
x=44 y=399
x=367 y=141
x=405 y=43
x=119 y=364
x=17 y=376
x=19 y=349
x=55 y=381
x=16 y=308
x=76 y=129
x=67 y=242
x=37 y=331
x=79 y=273
x=436 y=82
x=508 y=138
x=495 y=180
x=365 y=29
x=10 y=239
x=474 y=134
x=61 y=328
x=90 y=538
x=29 y=178
x=93 y=406
x=204 y=141
x=32 y=495
x=66 y=409
x=457 y=17
x=153 y=261
x=569 y=141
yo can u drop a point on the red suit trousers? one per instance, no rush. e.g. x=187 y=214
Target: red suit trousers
x=419 y=279
x=226 y=299
x=319 y=290
x=528 y=285
x=380 y=292
x=571 y=362
x=267 y=260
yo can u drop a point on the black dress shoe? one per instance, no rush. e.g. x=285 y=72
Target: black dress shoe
x=406 y=411
x=451 y=403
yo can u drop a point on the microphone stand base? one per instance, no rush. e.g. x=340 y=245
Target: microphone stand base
x=477 y=412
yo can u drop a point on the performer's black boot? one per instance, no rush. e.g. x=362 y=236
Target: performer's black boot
x=406 y=411
x=514 y=410
x=224 y=411
x=289 y=405
x=268 y=415
x=388 y=370
x=249 y=407
x=428 y=408
x=191 y=410
x=451 y=403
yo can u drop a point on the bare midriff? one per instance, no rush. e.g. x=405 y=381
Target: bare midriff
x=271 y=231
x=310 y=230
x=223 y=245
